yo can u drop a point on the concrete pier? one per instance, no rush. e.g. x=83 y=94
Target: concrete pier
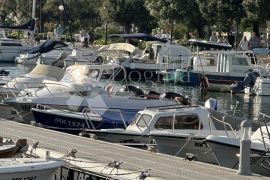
x=97 y=156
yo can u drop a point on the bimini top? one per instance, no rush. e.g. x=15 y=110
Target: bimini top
x=47 y=46
x=118 y=47
x=142 y=36
x=209 y=45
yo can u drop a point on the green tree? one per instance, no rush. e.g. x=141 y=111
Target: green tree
x=80 y=13
x=15 y=11
x=258 y=11
x=184 y=11
x=222 y=13
x=126 y=13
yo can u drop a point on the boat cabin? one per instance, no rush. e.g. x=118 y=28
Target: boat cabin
x=225 y=62
x=180 y=118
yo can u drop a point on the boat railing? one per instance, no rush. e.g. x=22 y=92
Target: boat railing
x=263 y=122
x=168 y=107
x=43 y=85
x=225 y=124
x=17 y=87
x=87 y=119
x=86 y=110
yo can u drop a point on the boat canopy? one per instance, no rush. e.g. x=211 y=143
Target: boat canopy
x=118 y=47
x=209 y=45
x=30 y=25
x=47 y=46
x=141 y=36
x=175 y=51
x=48 y=70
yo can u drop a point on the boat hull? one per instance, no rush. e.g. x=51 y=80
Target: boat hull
x=74 y=122
x=226 y=155
x=30 y=170
x=196 y=146
x=120 y=136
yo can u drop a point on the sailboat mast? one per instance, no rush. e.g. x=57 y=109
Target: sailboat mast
x=33 y=16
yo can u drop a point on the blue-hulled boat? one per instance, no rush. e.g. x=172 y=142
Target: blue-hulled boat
x=216 y=66
x=73 y=122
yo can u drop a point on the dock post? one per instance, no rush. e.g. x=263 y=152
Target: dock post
x=245 y=143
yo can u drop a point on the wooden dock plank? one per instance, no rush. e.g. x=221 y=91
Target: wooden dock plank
x=162 y=166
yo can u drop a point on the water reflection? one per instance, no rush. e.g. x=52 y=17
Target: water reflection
x=241 y=105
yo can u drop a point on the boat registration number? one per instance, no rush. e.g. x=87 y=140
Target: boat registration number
x=69 y=123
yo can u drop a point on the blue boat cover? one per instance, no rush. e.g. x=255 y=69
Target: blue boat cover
x=47 y=46
x=209 y=45
x=30 y=25
x=142 y=36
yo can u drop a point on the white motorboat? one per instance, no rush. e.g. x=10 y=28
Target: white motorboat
x=226 y=150
x=52 y=48
x=77 y=82
x=81 y=88
x=68 y=58
x=182 y=132
x=152 y=119
x=28 y=168
x=144 y=65
x=218 y=68
x=81 y=56
x=11 y=48
x=33 y=79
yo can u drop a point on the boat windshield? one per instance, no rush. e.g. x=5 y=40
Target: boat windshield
x=135 y=119
x=76 y=76
x=144 y=120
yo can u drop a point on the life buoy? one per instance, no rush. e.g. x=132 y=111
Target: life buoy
x=138 y=73
x=147 y=72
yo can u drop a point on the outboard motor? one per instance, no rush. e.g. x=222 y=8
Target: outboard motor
x=135 y=90
x=249 y=81
x=211 y=103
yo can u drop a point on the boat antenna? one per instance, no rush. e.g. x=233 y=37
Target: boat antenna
x=66 y=21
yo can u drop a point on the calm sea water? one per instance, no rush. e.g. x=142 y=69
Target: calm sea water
x=241 y=105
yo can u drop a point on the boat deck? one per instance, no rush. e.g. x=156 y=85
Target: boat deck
x=161 y=166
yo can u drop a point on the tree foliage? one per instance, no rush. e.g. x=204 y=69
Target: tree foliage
x=222 y=13
x=195 y=15
x=126 y=13
x=15 y=11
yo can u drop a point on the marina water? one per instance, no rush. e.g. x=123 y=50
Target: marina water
x=241 y=105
